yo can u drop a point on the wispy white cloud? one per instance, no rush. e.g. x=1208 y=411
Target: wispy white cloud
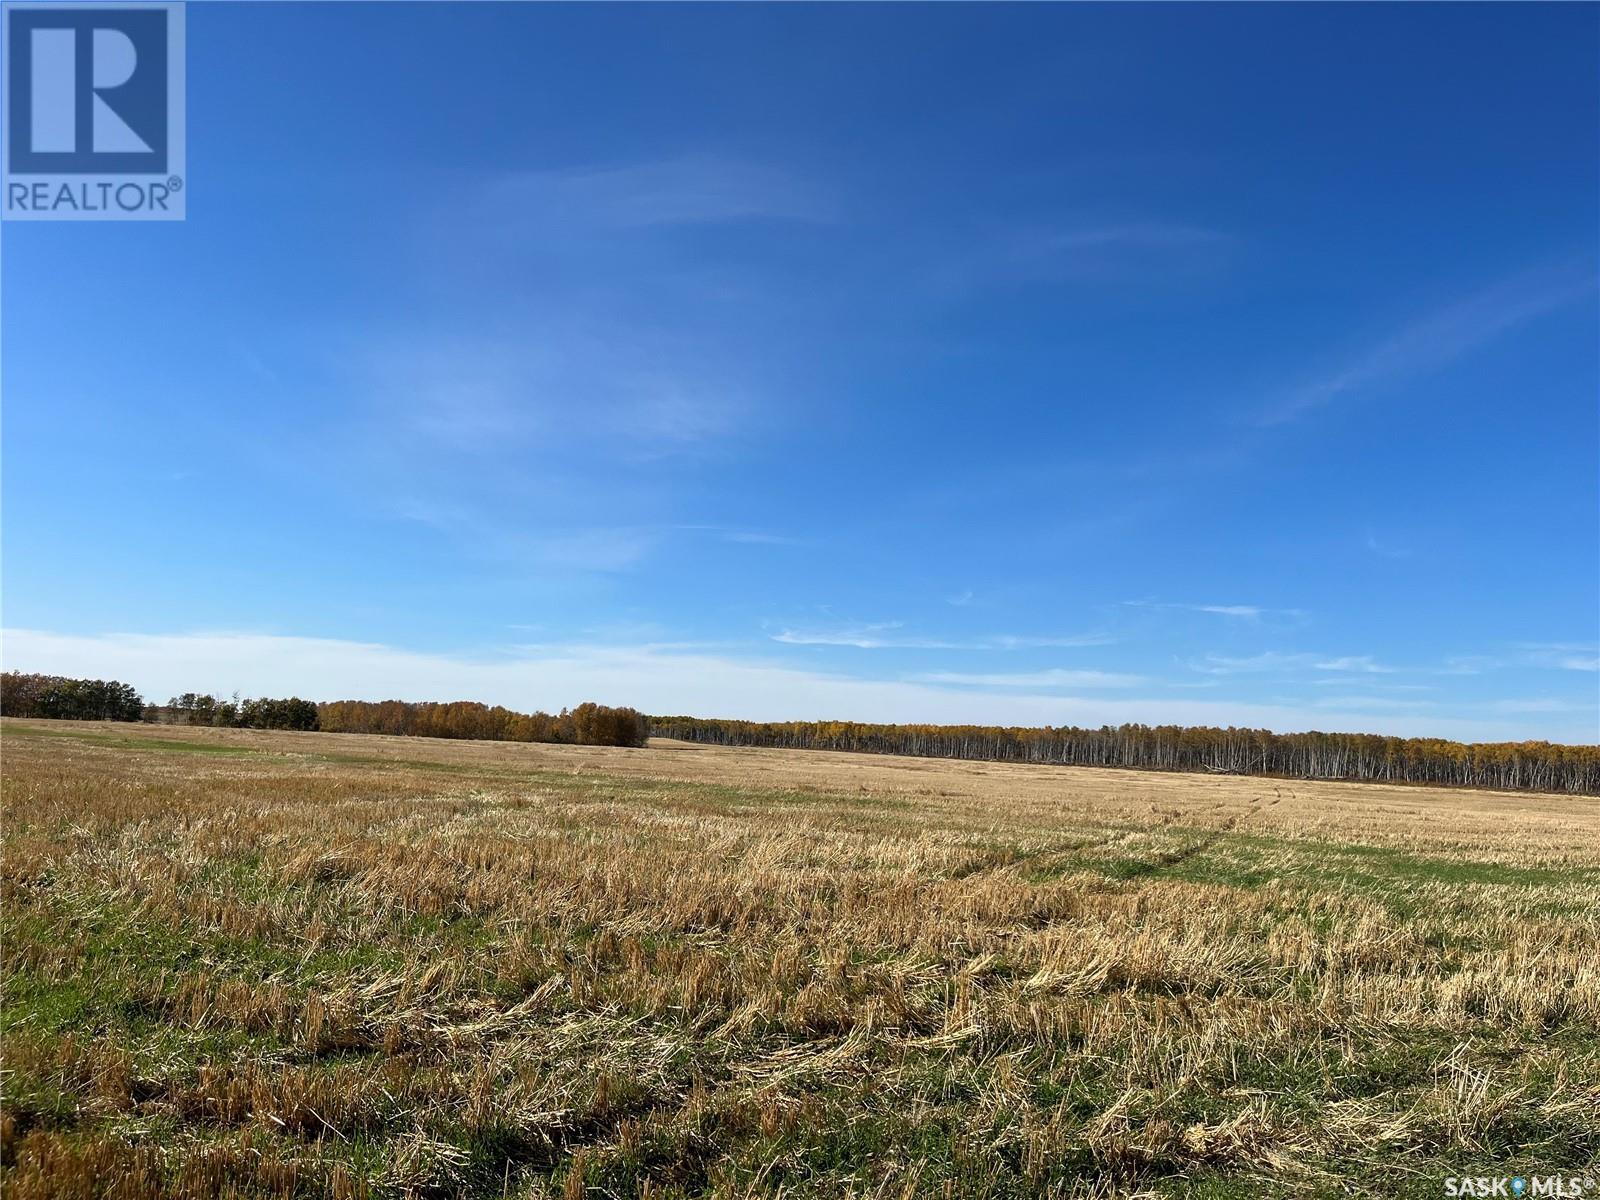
x=1385 y=549
x=1055 y=678
x=1557 y=656
x=1562 y=656
x=560 y=385
x=1363 y=663
x=665 y=680
x=1134 y=235
x=255 y=364
x=757 y=537
x=583 y=326
x=1435 y=341
x=697 y=189
x=1549 y=656
x=589 y=549
x=742 y=536
x=1469 y=664
x=1011 y=642
x=1276 y=660
x=1371 y=703
x=862 y=637
x=585 y=549
x=1267 y=660
x=1087 y=251
x=1543 y=704
x=1338 y=681
x=1246 y=612
x=882 y=636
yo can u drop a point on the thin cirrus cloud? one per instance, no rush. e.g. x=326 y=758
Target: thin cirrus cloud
x=1362 y=663
x=1538 y=655
x=1385 y=549
x=1275 y=660
x=588 y=549
x=1372 y=703
x=1435 y=341
x=1144 y=235
x=1548 y=656
x=598 y=550
x=1541 y=704
x=1246 y=612
x=742 y=536
x=1561 y=656
x=689 y=190
x=1049 y=679
x=1268 y=660
x=583 y=325
x=591 y=549
x=1101 y=251
x=564 y=381
x=883 y=636
x=757 y=537
x=1557 y=656
x=1469 y=664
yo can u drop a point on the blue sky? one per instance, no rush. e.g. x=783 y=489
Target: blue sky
x=1018 y=364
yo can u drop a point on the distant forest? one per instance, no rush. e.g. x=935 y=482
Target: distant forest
x=589 y=724
x=1541 y=766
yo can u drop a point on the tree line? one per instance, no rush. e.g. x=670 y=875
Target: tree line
x=1540 y=766
x=262 y=713
x=588 y=724
x=25 y=695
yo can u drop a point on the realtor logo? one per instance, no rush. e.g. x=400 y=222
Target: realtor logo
x=94 y=106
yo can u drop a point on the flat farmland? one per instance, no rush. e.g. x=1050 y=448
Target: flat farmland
x=243 y=963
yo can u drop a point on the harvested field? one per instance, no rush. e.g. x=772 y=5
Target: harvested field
x=269 y=964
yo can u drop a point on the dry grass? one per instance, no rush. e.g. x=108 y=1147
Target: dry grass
x=252 y=964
